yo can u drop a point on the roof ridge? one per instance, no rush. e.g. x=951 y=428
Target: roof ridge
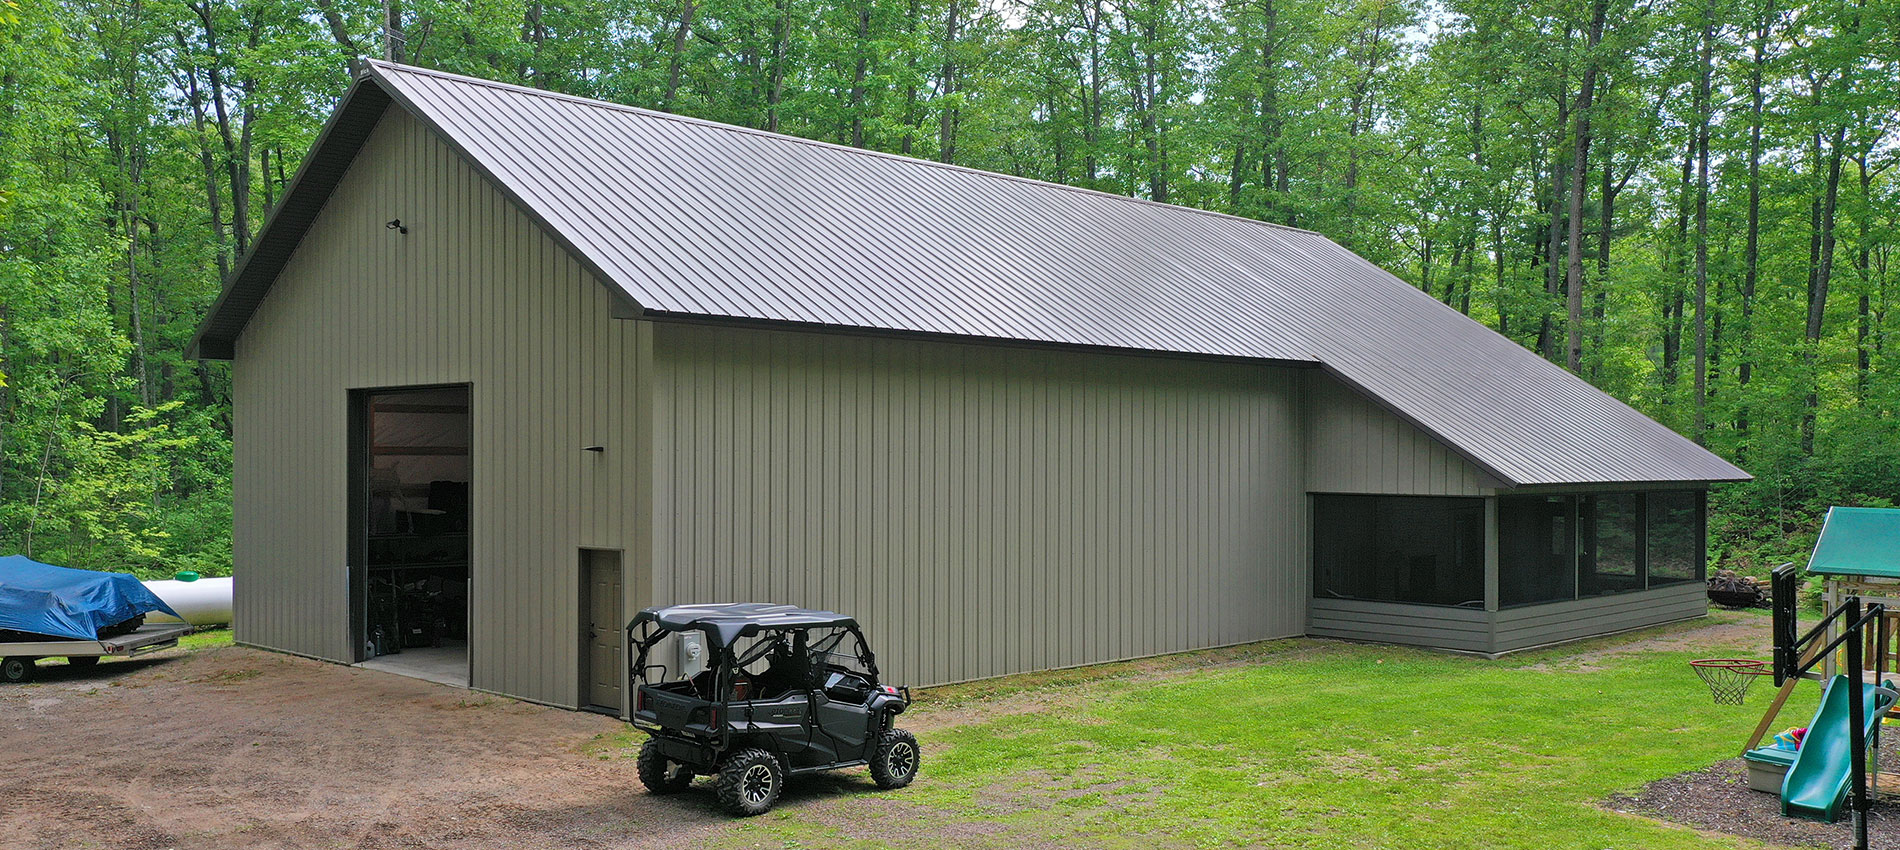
x=384 y=65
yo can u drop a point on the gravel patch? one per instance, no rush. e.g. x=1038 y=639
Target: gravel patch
x=1717 y=799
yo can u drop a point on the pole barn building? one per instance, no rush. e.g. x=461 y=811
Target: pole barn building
x=510 y=365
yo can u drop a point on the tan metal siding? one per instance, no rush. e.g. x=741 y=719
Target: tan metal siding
x=1356 y=446
x=474 y=293
x=983 y=510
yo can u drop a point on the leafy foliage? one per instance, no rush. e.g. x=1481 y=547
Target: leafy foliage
x=1690 y=202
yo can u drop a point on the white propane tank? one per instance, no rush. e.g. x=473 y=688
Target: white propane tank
x=202 y=602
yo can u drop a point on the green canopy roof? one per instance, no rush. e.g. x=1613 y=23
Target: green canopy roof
x=1858 y=542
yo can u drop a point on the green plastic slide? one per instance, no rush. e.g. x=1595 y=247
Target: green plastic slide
x=1816 y=787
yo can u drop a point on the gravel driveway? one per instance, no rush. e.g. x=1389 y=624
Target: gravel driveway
x=233 y=747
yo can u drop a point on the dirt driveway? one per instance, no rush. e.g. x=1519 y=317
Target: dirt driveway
x=184 y=751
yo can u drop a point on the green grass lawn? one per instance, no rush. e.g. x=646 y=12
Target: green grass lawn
x=1308 y=744
x=207 y=639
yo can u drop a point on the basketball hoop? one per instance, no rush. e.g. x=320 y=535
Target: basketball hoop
x=1728 y=678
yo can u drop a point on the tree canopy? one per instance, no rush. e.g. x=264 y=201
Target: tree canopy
x=1690 y=203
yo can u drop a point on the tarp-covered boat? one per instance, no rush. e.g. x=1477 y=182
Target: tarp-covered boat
x=41 y=599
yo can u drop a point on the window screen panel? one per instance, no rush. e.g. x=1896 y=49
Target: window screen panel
x=1536 y=550
x=1676 y=544
x=1413 y=549
x=1609 y=544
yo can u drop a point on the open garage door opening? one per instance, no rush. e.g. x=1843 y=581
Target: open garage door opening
x=410 y=555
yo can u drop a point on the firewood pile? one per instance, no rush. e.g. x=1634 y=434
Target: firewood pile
x=1732 y=590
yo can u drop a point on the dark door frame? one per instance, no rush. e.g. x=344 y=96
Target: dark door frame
x=585 y=565
x=357 y=550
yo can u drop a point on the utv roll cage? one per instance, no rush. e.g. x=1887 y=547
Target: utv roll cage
x=722 y=629
x=723 y=626
x=752 y=693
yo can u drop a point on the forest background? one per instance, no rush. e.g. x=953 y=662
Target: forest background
x=1691 y=203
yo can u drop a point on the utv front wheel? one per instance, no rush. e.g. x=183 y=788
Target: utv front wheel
x=660 y=774
x=750 y=782
x=894 y=764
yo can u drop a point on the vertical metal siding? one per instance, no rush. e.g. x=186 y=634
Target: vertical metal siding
x=983 y=511
x=474 y=293
x=1355 y=446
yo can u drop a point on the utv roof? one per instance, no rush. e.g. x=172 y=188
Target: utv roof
x=729 y=621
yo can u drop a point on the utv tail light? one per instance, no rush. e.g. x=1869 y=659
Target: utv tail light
x=887 y=689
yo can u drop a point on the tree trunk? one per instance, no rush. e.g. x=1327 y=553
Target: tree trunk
x=1579 y=178
x=1606 y=239
x=775 y=79
x=1553 y=251
x=681 y=30
x=1672 y=311
x=1092 y=130
x=948 y=119
x=1237 y=175
x=863 y=67
x=339 y=30
x=1272 y=148
x=395 y=47
x=1150 y=109
x=187 y=79
x=911 y=119
x=1863 y=267
x=1821 y=277
x=1751 y=252
x=1702 y=111
x=236 y=160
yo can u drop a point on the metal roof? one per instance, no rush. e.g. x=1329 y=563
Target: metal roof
x=691 y=219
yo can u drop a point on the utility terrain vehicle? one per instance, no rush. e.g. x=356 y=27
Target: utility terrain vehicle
x=751 y=694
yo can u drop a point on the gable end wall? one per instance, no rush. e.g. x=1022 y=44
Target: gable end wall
x=474 y=293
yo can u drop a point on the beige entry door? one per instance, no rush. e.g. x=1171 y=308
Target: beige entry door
x=605 y=636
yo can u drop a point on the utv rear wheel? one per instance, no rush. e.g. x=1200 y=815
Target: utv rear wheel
x=750 y=782
x=660 y=774
x=895 y=763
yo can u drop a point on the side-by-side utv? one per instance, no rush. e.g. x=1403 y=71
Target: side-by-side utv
x=751 y=694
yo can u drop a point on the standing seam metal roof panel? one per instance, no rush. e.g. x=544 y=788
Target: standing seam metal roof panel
x=688 y=218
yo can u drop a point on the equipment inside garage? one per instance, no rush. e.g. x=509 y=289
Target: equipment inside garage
x=416 y=501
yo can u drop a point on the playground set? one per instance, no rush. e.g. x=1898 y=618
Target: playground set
x=1826 y=768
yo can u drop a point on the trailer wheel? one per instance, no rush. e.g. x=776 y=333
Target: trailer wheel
x=17 y=669
x=82 y=661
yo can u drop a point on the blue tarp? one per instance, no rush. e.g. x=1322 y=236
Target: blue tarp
x=61 y=602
